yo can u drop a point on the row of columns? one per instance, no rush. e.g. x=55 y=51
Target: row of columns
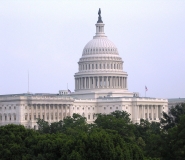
x=44 y=109
x=150 y=112
x=100 y=82
x=100 y=66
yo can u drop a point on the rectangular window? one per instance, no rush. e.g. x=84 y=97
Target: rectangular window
x=34 y=117
x=89 y=116
x=88 y=108
x=26 y=116
x=14 y=117
x=104 y=108
x=5 y=118
x=110 y=107
x=30 y=117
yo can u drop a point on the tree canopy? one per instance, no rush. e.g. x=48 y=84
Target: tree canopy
x=111 y=136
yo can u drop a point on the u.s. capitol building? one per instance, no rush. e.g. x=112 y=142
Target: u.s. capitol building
x=100 y=87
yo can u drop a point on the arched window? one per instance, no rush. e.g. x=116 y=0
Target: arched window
x=14 y=117
x=83 y=114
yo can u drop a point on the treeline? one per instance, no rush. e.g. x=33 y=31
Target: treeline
x=112 y=136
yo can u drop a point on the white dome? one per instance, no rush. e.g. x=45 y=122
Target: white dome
x=100 y=45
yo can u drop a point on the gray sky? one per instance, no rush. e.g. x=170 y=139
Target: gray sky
x=47 y=37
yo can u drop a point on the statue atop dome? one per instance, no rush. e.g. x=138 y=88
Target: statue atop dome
x=99 y=18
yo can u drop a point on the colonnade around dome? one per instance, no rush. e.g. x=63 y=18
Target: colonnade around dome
x=100 y=82
x=111 y=66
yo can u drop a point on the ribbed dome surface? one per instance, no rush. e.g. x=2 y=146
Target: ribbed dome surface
x=100 y=45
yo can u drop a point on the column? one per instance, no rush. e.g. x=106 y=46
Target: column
x=126 y=82
x=123 y=82
x=116 y=82
x=75 y=83
x=115 y=85
x=41 y=116
x=98 y=82
x=70 y=110
x=85 y=83
x=49 y=114
x=107 y=82
x=144 y=112
x=66 y=106
x=89 y=82
x=45 y=117
x=57 y=112
x=110 y=82
x=138 y=113
x=142 y=116
x=62 y=106
x=36 y=110
x=79 y=83
x=93 y=82
x=32 y=118
x=148 y=112
x=157 y=118
x=103 y=81
x=152 y=110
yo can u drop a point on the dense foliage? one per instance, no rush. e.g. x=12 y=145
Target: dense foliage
x=112 y=136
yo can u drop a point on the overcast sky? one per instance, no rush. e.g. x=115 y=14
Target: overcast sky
x=47 y=38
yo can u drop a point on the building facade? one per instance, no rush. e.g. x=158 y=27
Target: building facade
x=100 y=87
